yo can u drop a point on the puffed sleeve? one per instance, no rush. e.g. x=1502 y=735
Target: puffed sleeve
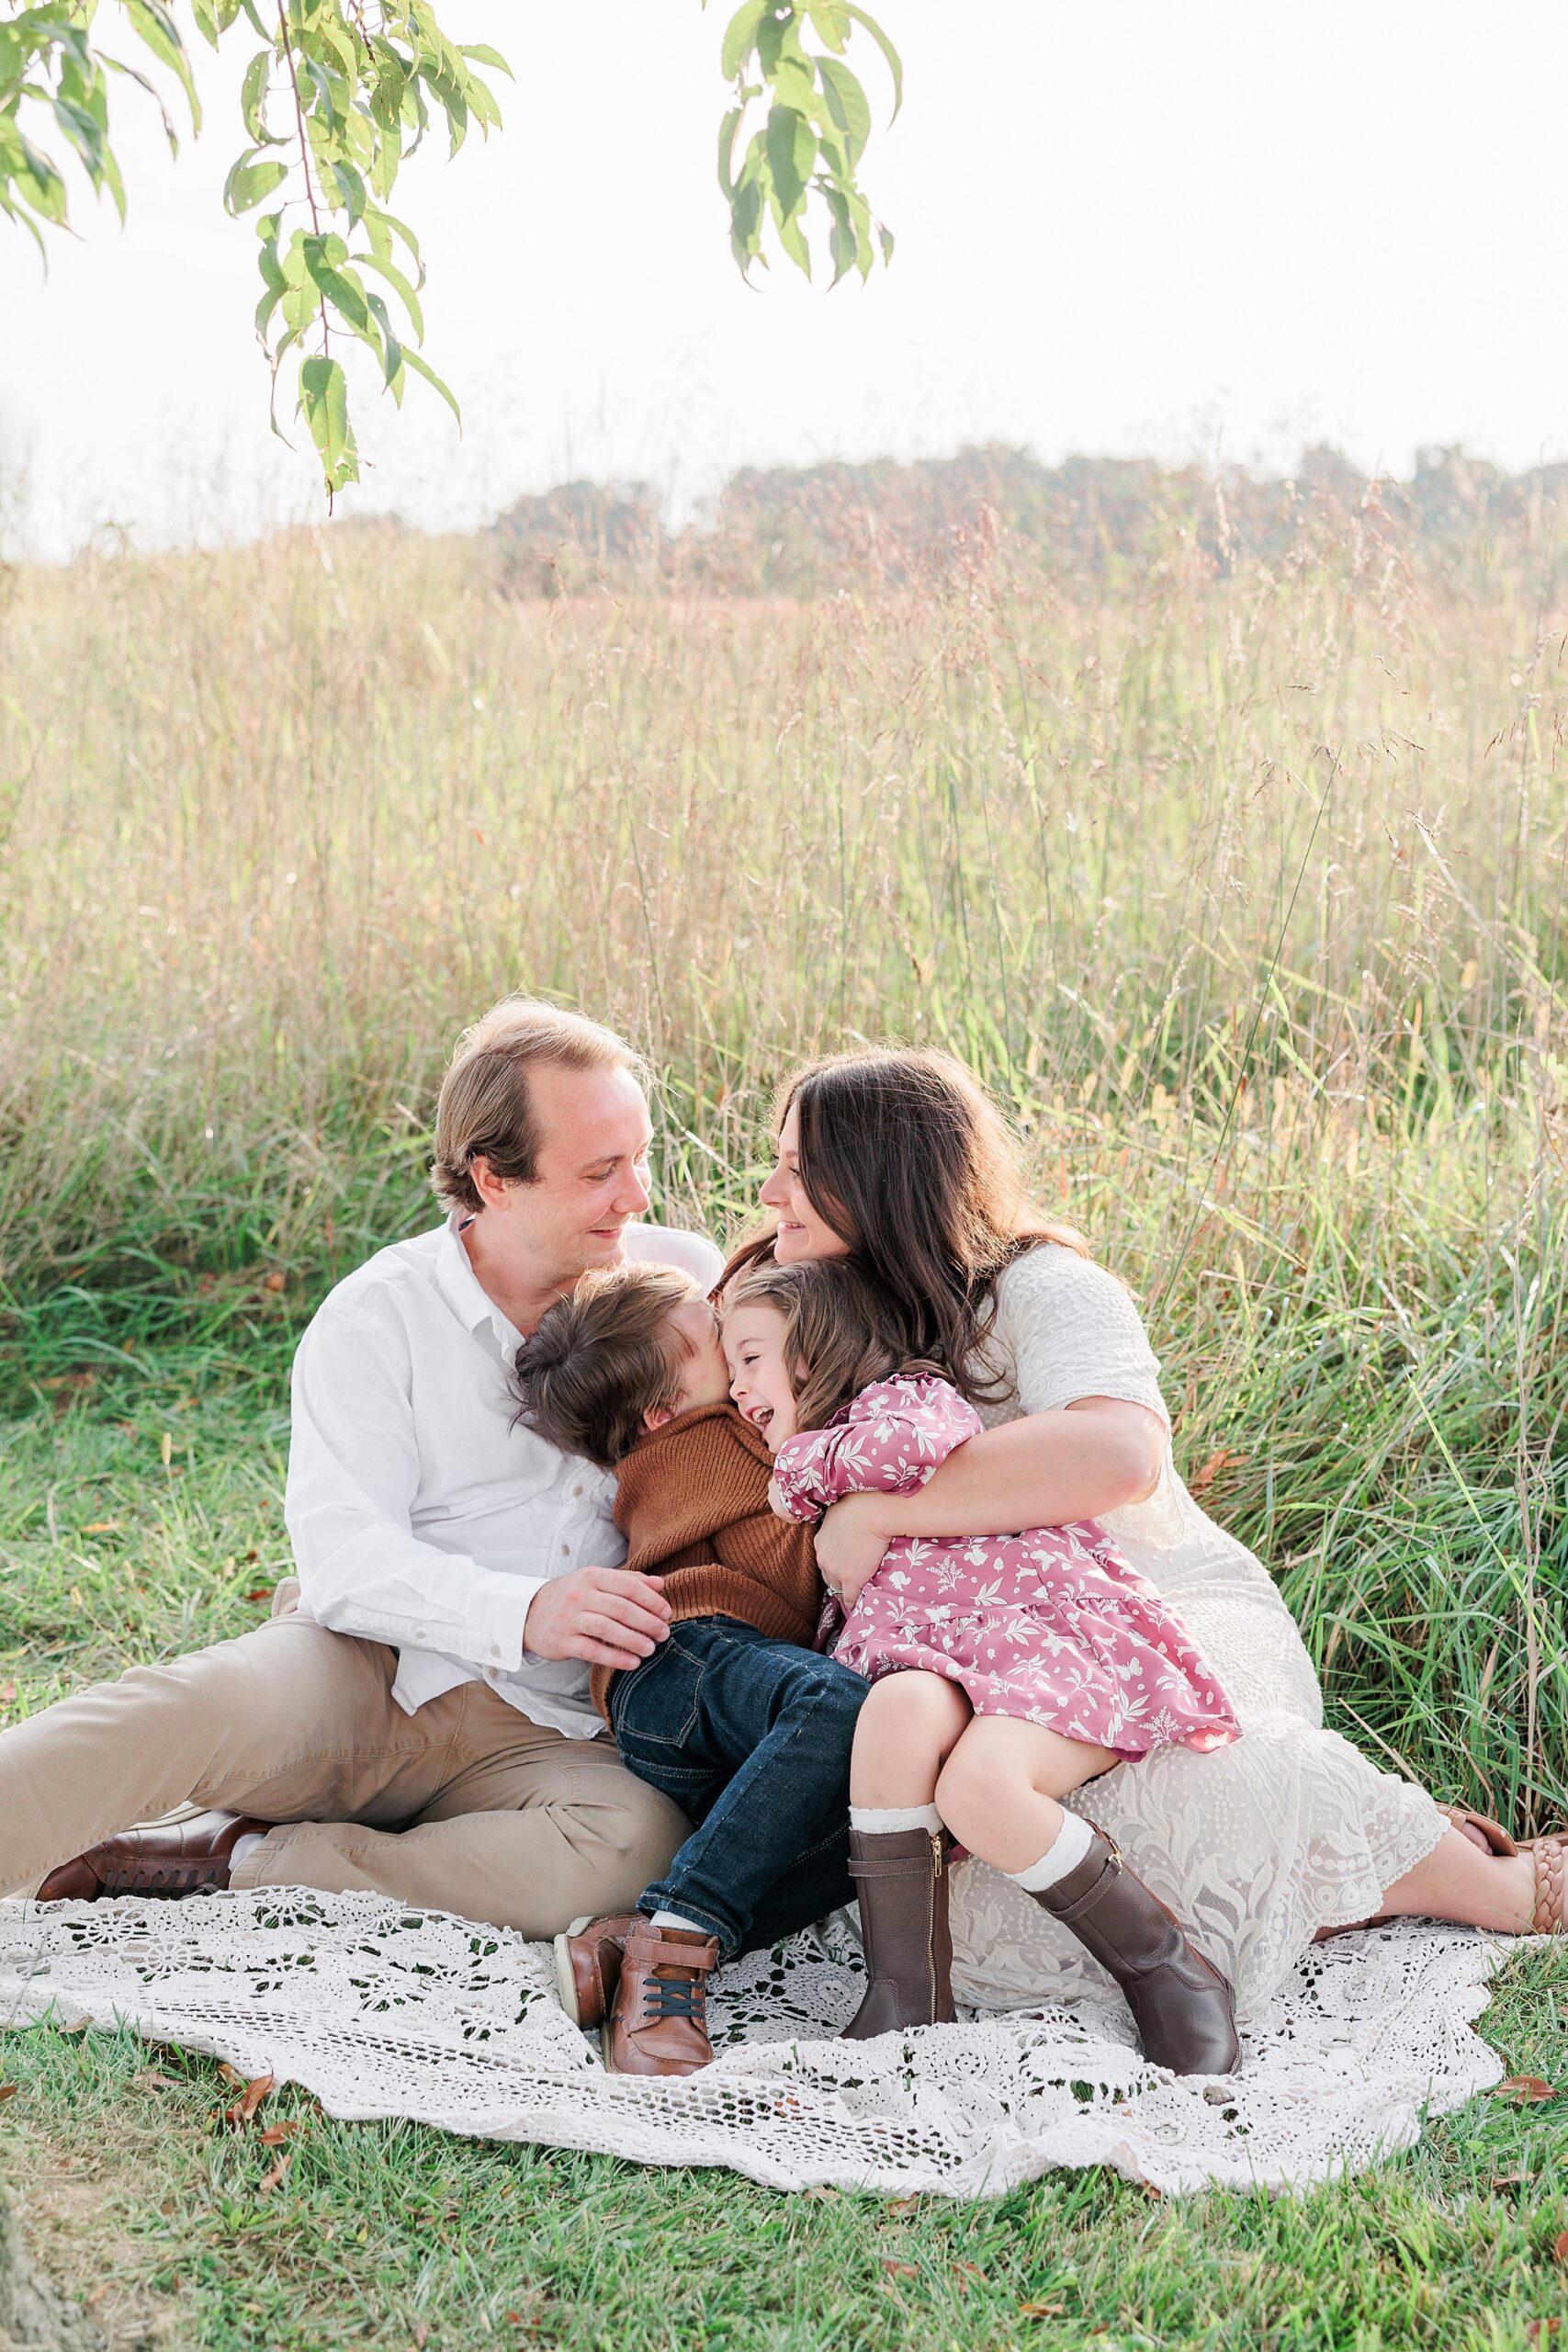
x=1065 y=1328
x=891 y=1439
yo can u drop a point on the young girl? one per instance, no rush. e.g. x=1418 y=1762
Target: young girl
x=1008 y=1670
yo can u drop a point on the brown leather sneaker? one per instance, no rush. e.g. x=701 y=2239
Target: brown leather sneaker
x=588 y=1965
x=173 y=1859
x=659 y=2022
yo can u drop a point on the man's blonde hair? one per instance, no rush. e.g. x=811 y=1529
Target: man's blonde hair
x=485 y=1109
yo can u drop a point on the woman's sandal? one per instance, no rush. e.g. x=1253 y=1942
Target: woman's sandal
x=1496 y=1840
x=1549 y=1855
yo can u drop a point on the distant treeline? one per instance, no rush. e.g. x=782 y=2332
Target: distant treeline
x=795 y=530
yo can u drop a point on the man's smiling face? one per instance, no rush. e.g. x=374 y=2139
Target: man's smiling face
x=591 y=1168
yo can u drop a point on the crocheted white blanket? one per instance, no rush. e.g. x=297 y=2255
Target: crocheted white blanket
x=382 y=2011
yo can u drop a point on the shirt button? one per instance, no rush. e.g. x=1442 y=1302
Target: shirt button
x=576 y=1491
x=495 y=1649
x=566 y=1551
x=421 y=1634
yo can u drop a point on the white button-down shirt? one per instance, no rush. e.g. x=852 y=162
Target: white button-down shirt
x=420 y=1513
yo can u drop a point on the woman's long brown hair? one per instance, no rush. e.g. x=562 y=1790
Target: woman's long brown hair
x=905 y=1156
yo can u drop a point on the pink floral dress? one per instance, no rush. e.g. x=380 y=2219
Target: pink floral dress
x=1051 y=1626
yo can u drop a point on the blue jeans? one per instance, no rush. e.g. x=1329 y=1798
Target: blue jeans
x=751 y=1737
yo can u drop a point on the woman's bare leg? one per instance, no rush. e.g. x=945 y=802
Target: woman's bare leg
x=1458 y=1882
x=999 y=1788
x=907 y=1728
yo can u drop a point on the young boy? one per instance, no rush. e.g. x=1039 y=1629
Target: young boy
x=733 y=1715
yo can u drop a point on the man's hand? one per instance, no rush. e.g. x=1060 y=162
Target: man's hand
x=851 y=1540
x=604 y=1616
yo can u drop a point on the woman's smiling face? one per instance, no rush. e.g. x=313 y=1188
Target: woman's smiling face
x=802 y=1232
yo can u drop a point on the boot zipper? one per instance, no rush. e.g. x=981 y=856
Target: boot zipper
x=936 y=1836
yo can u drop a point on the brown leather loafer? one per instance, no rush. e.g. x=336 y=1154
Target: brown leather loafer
x=659 y=2022
x=174 y=1859
x=588 y=1965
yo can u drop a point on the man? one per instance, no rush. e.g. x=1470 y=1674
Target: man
x=414 y=1720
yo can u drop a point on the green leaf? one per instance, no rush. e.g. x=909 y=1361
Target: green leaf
x=847 y=106
x=159 y=32
x=250 y=182
x=792 y=151
x=323 y=395
x=727 y=130
x=422 y=367
x=253 y=98
x=395 y=278
x=895 y=65
x=741 y=38
x=483 y=54
x=831 y=20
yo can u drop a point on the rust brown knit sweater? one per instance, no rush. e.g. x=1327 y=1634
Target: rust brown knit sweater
x=692 y=1501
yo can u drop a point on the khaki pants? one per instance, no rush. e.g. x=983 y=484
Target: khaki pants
x=464 y=1806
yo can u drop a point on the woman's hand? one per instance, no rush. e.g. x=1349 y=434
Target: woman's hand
x=851 y=1540
x=776 y=1503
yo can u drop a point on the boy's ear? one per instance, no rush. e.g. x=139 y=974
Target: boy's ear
x=657 y=1415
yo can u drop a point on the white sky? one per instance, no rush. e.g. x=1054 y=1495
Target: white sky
x=1121 y=227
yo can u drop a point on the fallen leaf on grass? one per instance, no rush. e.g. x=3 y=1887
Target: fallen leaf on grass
x=243 y=2109
x=899 y=2269
x=1526 y=2090
x=1536 y=2328
x=1219 y=1462
x=8 y=1692
x=9 y=2090
x=276 y=2133
x=274 y=2180
x=262 y=1593
x=276 y=1281
x=97 y=2294
x=902 y=2204
x=151 y=2080
x=420 y=2335
x=972 y=2270
x=102 y=1527
x=1559 y=2246
x=1040 y=2310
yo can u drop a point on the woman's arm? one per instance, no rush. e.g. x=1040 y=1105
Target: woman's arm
x=1041 y=1471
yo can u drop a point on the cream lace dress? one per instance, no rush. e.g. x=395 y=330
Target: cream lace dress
x=1254 y=1846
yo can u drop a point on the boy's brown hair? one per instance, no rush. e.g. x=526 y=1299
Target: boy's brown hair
x=840 y=1330
x=603 y=1359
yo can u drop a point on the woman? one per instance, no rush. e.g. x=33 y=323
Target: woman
x=899 y=1160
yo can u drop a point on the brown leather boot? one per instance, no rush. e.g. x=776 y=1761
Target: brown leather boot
x=1181 y=2005
x=588 y=1965
x=901 y=1883
x=658 y=2024
x=176 y=1858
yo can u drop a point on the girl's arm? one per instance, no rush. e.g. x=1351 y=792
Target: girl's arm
x=895 y=1434
x=1044 y=1470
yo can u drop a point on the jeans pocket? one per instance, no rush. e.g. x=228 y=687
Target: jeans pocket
x=655 y=1705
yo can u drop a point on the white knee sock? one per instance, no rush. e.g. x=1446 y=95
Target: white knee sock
x=246 y=1845
x=673 y=1920
x=881 y=1821
x=1070 y=1845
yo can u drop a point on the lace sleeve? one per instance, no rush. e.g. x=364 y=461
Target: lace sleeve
x=892 y=1438
x=1065 y=1328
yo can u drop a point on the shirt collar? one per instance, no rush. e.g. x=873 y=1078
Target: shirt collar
x=466 y=1295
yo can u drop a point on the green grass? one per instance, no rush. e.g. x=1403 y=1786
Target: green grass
x=1247 y=891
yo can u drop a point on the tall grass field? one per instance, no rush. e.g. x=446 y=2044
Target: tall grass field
x=1244 y=886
